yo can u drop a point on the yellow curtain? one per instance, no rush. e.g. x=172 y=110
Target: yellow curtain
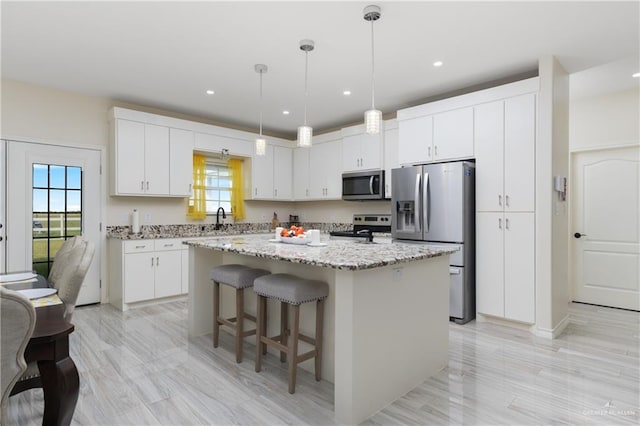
x=237 y=196
x=197 y=208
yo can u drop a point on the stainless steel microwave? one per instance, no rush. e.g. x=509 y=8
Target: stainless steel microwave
x=363 y=185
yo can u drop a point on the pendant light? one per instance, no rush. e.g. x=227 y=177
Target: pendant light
x=305 y=132
x=261 y=142
x=372 y=117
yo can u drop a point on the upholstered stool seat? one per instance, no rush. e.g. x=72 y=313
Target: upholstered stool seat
x=289 y=290
x=239 y=277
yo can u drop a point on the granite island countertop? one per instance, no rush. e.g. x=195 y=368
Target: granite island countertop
x=336 y=254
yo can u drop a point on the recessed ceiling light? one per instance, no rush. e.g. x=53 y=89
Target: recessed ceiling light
x=210 y=92
x=437 y=64
x=346 y=92
x=636 y=75
x=285 y=112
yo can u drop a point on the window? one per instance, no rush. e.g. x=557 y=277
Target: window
x=57 y=211
x=218 y=187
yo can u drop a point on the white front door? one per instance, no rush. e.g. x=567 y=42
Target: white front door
x=606 y=227
x=53 y=193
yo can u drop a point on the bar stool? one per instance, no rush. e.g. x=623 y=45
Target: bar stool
x=238 y=277
x=289 y=290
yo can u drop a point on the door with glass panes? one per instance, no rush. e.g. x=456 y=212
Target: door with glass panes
x=53 y=193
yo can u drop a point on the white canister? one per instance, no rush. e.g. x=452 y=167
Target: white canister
x=135 y=222
x=314 y=235
x=278 y=231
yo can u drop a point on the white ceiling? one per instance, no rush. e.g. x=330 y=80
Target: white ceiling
x=166 y=54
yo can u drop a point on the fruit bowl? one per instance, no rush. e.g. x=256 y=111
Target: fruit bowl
x=295 y=240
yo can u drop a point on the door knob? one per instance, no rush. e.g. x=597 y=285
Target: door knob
x=578 y=235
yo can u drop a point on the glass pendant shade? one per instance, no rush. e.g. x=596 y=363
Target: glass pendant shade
x=304 y=136
x=372 y=120
x=261 y=146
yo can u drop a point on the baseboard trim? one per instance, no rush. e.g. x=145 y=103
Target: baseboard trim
x=552 y=333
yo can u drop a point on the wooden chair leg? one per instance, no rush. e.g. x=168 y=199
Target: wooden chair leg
x=284 y=325
x=259 y=334
x=293 y=348
x=319 y=322
x=216 y=313
x=239 y=323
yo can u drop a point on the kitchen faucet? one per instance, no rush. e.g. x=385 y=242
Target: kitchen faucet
x=224 y=216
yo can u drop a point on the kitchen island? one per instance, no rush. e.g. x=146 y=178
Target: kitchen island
x=386 y=317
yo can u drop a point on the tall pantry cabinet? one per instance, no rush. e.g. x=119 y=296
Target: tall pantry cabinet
x=504 y=134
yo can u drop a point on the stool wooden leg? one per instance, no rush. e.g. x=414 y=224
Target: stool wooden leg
x=293 y=348
x=264 y=324
x=259 y=326
x=239 y=323
x=319 y=323
x=216 y=313
x=284 y=325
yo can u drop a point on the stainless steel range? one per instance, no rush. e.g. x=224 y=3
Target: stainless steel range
x=364 y=225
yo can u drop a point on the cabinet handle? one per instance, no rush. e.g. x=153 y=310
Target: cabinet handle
x=168 y=245
x=255 y=191
x=499 y=223
x=435 y=150
x=506 y=223
x=139 y=247
x=307 y=192
x=151 y=260
x=428 y=151
x=190 y=186
x=157 y=261
x=506 y=200
x=275 y=192
x=147 y=185
x=499 y=200
x=142 y=185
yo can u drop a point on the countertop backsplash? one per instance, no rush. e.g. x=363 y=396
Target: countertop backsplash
x=208 y=230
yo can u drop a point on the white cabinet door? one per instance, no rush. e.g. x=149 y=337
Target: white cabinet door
x=490 y=297
x=371 y=151
x=453 y=134
x=282 y=173
x=138 y=276
x=180 y=162
x=185 y=271
x=351 y=157
x=129 y=159
x=489 y=137
x=156 y=159
x=390 y=158
x=519 y=151
x=333 y=170
x=415 y=140
x=168 y=273
x=519 y=270
x=301 y=173
x=262 y=175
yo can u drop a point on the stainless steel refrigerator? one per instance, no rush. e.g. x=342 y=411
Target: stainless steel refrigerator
x=435 y=204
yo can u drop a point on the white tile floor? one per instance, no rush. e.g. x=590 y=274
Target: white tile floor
x=139 y=368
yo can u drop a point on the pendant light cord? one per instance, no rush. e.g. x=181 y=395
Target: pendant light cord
x=261 y=103
x=306 y=66
x=372 y=68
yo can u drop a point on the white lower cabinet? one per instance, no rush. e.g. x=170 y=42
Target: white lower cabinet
x=143 y=270
x=505 y=265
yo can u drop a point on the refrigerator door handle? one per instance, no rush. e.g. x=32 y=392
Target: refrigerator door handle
x=425 y=198
x=416 y=200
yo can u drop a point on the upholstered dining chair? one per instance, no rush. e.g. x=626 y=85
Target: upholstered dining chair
x=17 y=320
x=67 y=273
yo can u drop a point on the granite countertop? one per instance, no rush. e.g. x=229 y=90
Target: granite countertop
x=337 y=254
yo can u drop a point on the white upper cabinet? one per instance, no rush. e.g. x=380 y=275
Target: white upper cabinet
x=141 y=159
x=325 y=176
x=301 y=174
x=390 y=153
x=453 y=134
x=282 y=173
x=180 y=162
x=360 y=150
x=208 y=142
x=505 y=152
x=262 y=175
x=415 y=140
